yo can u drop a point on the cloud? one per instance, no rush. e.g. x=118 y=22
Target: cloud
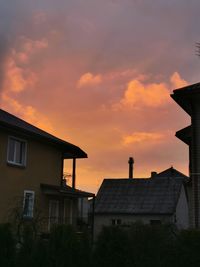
x=27 y=113
x=88 y=79
x=48 y=48
x=139 y=94
x=177 y=81
x=142 y=137
x=17 y=79
x=27 y=48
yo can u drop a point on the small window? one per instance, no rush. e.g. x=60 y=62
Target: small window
x=16 y=151
x=28 y=204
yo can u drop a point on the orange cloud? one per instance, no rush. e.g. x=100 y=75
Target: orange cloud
x=88 y=79
x=139 y=94
x=177 y=81
x=141 y=137
x=27 y=113
x=17 y=79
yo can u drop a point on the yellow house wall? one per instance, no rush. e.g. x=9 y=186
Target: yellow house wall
x=43 y=165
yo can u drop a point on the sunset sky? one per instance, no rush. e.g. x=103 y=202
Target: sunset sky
x=99 y=73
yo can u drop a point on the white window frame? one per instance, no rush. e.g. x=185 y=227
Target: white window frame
x=31 y=205
x=23 y=164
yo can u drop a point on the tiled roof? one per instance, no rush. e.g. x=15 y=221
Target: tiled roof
x=12 y=122
x=138 y=196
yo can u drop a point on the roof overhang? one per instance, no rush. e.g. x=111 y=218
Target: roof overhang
x=187 y=95
x=64 y=191
x=69 y=150
x=185 y=134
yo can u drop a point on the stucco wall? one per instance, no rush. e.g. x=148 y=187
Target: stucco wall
x=106 y=220
x=43 y=166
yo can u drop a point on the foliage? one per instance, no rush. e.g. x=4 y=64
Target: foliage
x=151 y=245
x=188 y=248
x=137 y=246
x=7 y=246
x=112 y=248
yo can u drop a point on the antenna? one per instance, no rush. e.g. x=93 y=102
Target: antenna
x=197 y=51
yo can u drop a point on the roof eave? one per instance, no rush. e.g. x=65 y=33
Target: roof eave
x=183 y=102
x=184 y=135
x=70 y=151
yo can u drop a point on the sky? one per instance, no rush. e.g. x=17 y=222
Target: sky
x=98 y=74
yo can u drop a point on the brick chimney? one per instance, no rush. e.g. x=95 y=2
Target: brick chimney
x=131 y=162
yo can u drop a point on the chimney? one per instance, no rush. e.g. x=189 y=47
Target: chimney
x=131 y=162
x=153 y=174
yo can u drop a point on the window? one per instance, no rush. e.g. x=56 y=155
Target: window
x=16 y=151
x=28 y=204
x=116 y=222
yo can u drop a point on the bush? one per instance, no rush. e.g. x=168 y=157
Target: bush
x=7 y=246
x=188 y=248
x=151 y=245
x=139 y=246
x=63 y=247
x=112 y=248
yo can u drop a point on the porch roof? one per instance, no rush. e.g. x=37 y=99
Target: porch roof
x=64 y=191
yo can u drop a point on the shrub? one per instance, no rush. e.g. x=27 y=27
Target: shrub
x=188 y=248
x=112 y=248
x=63 y=247
x=7 y=246
x=151 y=245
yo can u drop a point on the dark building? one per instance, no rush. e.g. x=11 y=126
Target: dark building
x=162 y=198
x=188 y=98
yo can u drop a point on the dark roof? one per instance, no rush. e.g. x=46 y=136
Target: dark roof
x=185 y=95
x=138 y=196
x=10 y=121
x=171 y=173
x=65 y=191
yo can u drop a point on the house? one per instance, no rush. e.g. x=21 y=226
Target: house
x=160 y=199
x=188 y=98
x=31 y=175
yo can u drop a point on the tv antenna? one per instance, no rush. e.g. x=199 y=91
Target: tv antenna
x=197 y=52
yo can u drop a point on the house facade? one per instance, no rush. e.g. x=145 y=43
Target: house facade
x=160 y=199
x=31 y=175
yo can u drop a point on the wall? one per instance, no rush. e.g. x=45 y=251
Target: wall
x=43 y=165
x=195 y=159
x=182 y=211
x=105 y=220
